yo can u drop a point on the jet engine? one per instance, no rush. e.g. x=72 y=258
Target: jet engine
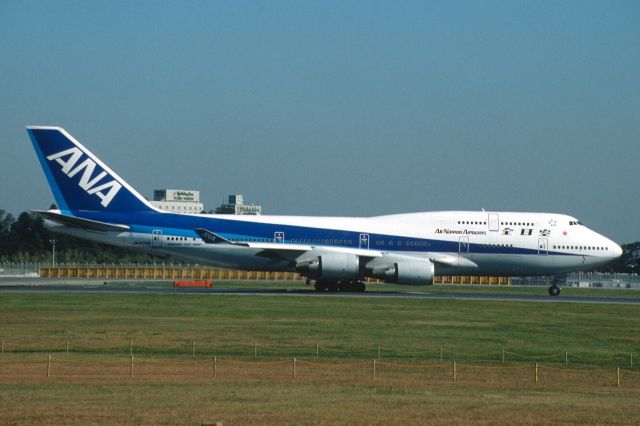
x=399 y=270
x=328 y=265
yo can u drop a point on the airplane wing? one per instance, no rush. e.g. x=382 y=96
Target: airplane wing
x=295 y=251
x=286 y=251
x=76 y=222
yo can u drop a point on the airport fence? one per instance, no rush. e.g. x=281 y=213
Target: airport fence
x=585 y=280
x=169 y=271
x=18 y=269
x=136 y=271
x=158 y=347
x=135 y=368
x=69 y=360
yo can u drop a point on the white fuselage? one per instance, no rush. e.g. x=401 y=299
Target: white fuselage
x=479 y=243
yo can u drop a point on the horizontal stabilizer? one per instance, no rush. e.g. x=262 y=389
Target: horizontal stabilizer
x=76 y=222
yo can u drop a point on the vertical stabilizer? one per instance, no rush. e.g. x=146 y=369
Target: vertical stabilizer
x=78 y=179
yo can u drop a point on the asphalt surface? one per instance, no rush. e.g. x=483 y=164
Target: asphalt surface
x=28 y=286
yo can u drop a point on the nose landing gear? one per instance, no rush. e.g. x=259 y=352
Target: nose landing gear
x=554 y=290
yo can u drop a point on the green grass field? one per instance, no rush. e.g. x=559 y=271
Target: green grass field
x=163 y=327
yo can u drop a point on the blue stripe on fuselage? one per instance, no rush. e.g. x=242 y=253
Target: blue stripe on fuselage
x=184 y=225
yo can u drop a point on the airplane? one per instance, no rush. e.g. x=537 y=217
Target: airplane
x=338 y=253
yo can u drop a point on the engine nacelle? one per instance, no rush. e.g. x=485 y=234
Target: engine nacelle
x=329 y=265
x=403 y=271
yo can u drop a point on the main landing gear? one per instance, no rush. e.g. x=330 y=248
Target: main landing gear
x=554 y=290
x=343 y=286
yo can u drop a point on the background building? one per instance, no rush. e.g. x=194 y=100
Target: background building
x=236 y=206
x=178 y=200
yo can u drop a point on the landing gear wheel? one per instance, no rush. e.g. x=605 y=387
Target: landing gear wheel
x=326 y=286
x=554 y=290
x=320 y=286
x=351 y=286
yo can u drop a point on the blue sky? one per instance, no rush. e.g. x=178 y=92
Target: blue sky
x=336 y=108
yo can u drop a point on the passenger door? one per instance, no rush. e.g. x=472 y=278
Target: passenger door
x=463 y=246
x=543 y=246
x=156 y=238
x=494 y=222
x=364 y=241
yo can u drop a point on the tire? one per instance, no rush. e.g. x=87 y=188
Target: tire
x=554 y=290
x=351 y=286
x=320 y=286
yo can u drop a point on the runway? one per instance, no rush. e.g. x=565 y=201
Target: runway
x=13 y=287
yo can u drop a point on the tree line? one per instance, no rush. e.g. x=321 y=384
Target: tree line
x=26 y=240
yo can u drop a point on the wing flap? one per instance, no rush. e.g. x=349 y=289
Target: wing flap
x=445 y=259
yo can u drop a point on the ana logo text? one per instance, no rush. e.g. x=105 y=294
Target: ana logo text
x=68 y=160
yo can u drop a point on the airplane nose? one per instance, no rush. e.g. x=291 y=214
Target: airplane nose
x=617 y=251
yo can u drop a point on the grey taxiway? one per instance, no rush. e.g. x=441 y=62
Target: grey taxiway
x=53 y=286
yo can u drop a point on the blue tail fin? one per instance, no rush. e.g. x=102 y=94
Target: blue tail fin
x=78 y=179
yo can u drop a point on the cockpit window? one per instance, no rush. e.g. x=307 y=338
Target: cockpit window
x=575 y=222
